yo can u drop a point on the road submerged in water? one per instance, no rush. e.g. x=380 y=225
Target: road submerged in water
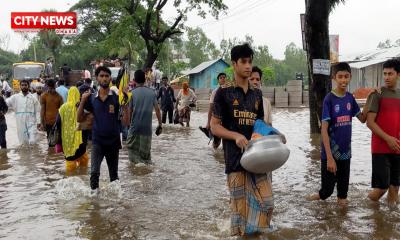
x=183 y=195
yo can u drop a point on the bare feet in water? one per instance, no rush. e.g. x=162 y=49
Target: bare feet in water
x=313 y=197
x=342 y=202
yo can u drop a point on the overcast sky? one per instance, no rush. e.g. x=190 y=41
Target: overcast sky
x=361 y=24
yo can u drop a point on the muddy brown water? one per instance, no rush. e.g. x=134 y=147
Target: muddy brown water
x=183 y=195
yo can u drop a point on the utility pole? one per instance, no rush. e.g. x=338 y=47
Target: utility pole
x=129 y=59
x=168 y=60
x=34 y=50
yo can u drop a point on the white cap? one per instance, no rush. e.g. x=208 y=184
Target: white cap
x=37 y=85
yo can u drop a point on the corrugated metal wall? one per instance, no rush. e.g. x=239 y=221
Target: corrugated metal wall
x=208 y=77
x=368 y=77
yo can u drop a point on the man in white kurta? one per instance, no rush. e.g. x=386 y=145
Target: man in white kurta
x=27 y=113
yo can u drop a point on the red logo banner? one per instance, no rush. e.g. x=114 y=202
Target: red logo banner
x=43 y=20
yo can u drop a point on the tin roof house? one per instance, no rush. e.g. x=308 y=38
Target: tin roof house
x=366 y=68
x=205 y=74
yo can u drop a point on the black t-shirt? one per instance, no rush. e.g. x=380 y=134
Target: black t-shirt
x=238 y=112
x=65 y=70
x=167 y=98
x=3 y=110
x=106 y=128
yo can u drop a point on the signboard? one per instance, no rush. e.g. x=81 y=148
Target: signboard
x=334 y=48
x=322 y=66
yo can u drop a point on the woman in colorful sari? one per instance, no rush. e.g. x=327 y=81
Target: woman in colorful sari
x=185 y=99
x=73 y=146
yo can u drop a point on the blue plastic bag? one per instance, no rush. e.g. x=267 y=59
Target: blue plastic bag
x=263 y=129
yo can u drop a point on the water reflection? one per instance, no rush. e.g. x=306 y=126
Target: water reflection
x=4 y=165
x=183 y=195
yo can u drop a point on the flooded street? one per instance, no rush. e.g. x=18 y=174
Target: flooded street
x=184 y=194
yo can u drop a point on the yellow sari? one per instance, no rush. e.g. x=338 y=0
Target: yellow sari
x=71 y=138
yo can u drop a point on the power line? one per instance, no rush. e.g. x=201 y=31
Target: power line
x=248 y=8
x=255 y=8
x=241 y=5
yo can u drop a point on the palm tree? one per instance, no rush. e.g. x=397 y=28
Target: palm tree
x=317 y=43
x=50 y=39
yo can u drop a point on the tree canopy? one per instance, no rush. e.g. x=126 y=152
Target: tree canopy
x=109 y=29
x=140 y=22
x=388 y=44
x=6 y=60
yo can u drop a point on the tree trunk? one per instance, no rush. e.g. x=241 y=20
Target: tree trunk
x=317 y=41
x=151 y=56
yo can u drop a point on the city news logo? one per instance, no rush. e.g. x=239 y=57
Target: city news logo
x=61 y=22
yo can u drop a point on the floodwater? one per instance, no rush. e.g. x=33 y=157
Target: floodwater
x=184 y=194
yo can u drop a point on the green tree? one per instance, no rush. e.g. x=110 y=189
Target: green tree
x=229 y=73
x=385 y=44
x=397 y=43
x=282 y=73
x=154 y=31
x=50 y=39
x=226 y=46
x=199 y=48
x=176 y=68
x=46 y=43
x=262 y=57
x=106 y=28
x=295 y=62
x=97 y=18
x=268 y=75
x=171 y=58
x=388 y=44
x=6 y=61
x=37 y=47
x=296 y=58
x=144 y=18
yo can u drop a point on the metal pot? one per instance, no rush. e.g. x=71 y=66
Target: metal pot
x=265 y=154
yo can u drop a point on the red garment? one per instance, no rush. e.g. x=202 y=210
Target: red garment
x=388 y=119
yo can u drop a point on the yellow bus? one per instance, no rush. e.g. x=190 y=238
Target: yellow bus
x=31 y=71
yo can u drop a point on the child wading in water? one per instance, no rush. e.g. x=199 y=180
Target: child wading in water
x=338 y=110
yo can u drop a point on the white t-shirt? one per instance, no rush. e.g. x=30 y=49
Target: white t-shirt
x=6 y=86
x=87 y=74
x=157 y=76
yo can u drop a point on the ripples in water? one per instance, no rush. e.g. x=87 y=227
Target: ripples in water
x=183 y=195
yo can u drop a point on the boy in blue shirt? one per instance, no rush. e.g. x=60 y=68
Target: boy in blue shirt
x=339 y=108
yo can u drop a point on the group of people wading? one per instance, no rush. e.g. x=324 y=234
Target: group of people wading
x=251 y=198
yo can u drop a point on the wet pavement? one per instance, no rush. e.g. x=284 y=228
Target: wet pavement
x=183 y=195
